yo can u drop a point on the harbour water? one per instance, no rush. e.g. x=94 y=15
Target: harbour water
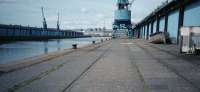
x=12 y=52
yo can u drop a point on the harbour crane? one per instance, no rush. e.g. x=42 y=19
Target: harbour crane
x=58 y=22
x=44 y=20
x=122 y=27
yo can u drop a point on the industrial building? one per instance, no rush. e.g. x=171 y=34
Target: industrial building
x=169 y=18
x=17 y=32
x=97 y=32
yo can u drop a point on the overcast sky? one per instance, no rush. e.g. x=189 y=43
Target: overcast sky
x=74 y=13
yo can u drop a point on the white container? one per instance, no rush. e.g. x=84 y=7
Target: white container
x=190 y=39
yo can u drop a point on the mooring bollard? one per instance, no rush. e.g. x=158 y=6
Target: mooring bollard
x=93 y=42
x=74 y=46
x=101 y=40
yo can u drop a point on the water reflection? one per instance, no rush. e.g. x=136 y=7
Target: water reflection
x=45 y=47
x=19 y=50
x=58 y=45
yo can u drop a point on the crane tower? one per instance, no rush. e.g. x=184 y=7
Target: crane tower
x=122 y=27
x=58 y=22
x=44 y=19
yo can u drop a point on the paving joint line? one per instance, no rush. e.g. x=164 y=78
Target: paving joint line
x=70 y=85
x=168 y=67
x=39 y=76
x=145 y=86
x=178 y=56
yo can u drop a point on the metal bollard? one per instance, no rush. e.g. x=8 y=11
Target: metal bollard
x=93 y=42
x=74 y=46
x=101 y=40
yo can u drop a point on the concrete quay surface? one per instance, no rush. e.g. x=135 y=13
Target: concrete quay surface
x=119 y=65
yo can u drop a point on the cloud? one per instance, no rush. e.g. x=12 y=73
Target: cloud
x=77 y=22
x=52 y=18
x=7 y=1
x=139 y=12
x=100 y=16
x=84 y=10
x=76 y=13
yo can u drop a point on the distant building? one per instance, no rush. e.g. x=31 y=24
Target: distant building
x=98 y=32
x=18 y=32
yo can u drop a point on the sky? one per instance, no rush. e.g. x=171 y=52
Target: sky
x=74 y=14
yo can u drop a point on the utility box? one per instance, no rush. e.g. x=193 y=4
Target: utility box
x=190 y=40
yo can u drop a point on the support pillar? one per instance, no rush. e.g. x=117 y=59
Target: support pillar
x=139 y=32
x=147 y=31
x=166 y=23
x=151 y=27
x=144 y=30
x=158 y=23
x=180 y=22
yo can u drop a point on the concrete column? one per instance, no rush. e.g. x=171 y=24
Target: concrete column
x=144 y=30
x=135 y=33
x=151 y=27
x=70 y=34
x=166 y=23
x=139 y=29
x=147 y=31
x=73 y=34
x=181 y=19
x=138 y=32
x=158 y=23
